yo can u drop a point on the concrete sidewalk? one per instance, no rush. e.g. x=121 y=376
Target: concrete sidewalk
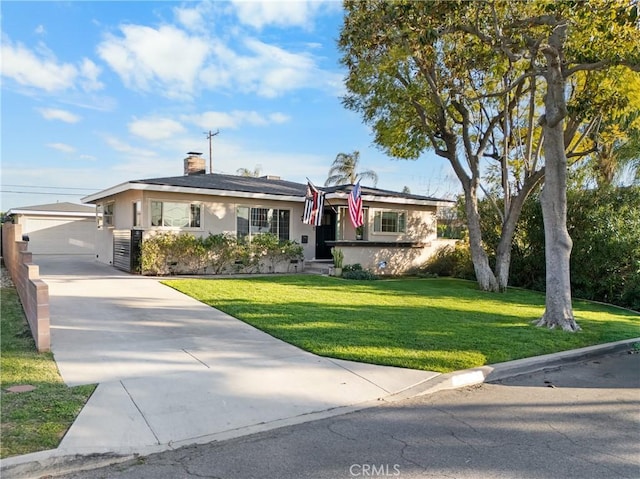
x=173 y=371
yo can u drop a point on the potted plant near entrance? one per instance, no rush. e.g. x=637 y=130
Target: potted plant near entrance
x=338 y=259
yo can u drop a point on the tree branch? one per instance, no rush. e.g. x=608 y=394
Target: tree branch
x=514 y=85
x=580 y=154
x=472 y=159
x=587 y=67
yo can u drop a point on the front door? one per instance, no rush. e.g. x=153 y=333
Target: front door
x=325 y=232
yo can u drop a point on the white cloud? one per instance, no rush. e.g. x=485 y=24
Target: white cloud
x=228 y=157
x=189 y=17
x=125 y=148
x=136 y=167
x=43 y=71
x=281 y=70
x=145 y=58
x=26 y=68
x=279 y=118
x=89 y=76
x=193 y=18
x=40 y=30
x=56 y=114
x=179 y=61
x=155 y=128
x=267 y=70
x=62 y=147
x=277 y=12
x=235 y=119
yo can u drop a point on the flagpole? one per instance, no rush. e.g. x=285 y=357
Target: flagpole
x=325 y=198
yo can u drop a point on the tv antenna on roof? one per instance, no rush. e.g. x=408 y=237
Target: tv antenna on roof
x=210 y=136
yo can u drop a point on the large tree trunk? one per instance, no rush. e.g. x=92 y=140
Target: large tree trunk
x=484 y=275
x=558 y=308
x=503 y=255
x=503 y=251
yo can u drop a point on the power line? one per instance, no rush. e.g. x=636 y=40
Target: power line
x=39 y=193
x=52 y=187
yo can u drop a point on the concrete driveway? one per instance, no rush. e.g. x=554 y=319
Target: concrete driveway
x=173 y=371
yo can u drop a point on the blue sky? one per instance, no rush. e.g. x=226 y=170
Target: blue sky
x=98 y=93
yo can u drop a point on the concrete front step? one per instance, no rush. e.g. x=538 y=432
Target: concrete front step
x=317 y=267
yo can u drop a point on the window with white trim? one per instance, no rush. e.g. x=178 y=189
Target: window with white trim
x=254 y=221
x=390 y=222
x=105 y=215
x=137 y=213
x=175 y=215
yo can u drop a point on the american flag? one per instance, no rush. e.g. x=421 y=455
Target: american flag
x=355 y=206
x=313 y=205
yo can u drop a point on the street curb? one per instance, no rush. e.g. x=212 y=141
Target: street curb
x=500 y=371
x=54 y=462
x=51 y=463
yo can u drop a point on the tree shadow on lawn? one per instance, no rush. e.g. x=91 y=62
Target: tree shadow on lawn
x=412 y=333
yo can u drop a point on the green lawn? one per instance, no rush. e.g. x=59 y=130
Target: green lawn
x=36 y=420
x=432 y=324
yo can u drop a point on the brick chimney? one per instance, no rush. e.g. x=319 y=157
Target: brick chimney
x=194 y=164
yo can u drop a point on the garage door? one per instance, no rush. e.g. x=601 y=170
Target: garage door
x=60 y=235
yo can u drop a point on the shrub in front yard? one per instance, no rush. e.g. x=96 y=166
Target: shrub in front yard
x=170 y=253
x=355 y=271
x=361 y=274
x=183 y=253
x=454 y=261
x=222 y=250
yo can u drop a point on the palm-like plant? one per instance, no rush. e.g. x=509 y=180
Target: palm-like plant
x=629 y=157
x=617 y=154
x=344 y=170
x=255 y=173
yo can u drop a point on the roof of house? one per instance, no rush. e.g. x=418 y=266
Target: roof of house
x=55 y=209
x=378 y=192
x=248 y=186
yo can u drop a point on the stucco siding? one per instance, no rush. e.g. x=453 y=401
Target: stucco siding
x=391 y=260
x=218 y=215
x=421 y=224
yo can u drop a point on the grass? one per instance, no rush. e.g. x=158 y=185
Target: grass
x=432 y=324
x=36 y=420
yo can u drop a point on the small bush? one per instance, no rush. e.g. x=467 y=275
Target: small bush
x=426 y=275
x=631 y=293
x=171 y=253
x=454 y=261
x=222 y=251
x=338 y=257
x=360 y=274
x=352 y=267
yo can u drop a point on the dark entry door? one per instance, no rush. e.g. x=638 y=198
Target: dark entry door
x=325 y=232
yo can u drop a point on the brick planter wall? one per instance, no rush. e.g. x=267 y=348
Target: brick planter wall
x=33 y=292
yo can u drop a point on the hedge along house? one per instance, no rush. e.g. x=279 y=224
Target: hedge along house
x=399 y=230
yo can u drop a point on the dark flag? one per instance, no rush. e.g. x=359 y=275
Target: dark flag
x=313 y=205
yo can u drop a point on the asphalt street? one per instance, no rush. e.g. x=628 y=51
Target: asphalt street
x=578 y=421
